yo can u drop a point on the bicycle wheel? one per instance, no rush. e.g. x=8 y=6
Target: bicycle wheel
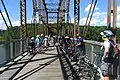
x=86 y=74
x=96 y=76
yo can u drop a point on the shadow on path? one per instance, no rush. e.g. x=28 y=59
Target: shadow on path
x=68 y=71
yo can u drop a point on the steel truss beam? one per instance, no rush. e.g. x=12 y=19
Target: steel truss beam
x=53 y=10
x=67 y=7
x=42 y=11
x=45 y=29
x=52 y=4
x=23 y=21
x=61 y=21
x=92 y=11
x=34 y=16
x=11 y=26
x=6 y=24
x=76 y=16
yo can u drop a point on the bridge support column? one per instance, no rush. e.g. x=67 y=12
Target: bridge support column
x=23 y=22
x=76 y=16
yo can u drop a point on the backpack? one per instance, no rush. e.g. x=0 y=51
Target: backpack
x=116 y=50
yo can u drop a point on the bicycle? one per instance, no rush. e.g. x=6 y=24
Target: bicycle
x=88 y=70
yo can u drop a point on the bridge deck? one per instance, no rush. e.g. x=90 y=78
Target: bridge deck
x=40 y=66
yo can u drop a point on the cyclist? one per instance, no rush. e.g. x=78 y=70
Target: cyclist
x=80 y=44
x=107 y=58
x=45 y=42
x=67 y=43
x=31 y=45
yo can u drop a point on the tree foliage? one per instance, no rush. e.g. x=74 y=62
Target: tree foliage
x=93 y=32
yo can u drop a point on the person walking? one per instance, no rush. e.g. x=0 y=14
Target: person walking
x=37 y=41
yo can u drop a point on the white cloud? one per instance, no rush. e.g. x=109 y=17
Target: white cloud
x=2 y=24
x=4 y=14
x=100 y=18
x=16 y=23
x=88 y=7
x=118 y=10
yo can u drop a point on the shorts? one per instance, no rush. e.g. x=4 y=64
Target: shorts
x=37 y=46
x=106 y=68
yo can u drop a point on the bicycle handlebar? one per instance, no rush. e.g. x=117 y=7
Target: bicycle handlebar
x=97 y=53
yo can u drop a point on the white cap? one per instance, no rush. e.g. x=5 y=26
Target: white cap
x=37 y=36
x=41 y=35
x=66 y=37
x=32 y=38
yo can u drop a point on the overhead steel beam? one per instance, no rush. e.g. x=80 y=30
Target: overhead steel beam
x=56 y=10
x=53 y=10
x=52 y=4
x=53 y=17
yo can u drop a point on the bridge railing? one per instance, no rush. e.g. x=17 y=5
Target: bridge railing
x=9 y=50
x=94 y=46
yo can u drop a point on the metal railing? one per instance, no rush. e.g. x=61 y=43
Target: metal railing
x=9 y=50
x=94 y=46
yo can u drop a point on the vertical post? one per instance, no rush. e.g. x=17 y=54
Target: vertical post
x=58 y=31
x=115 y=29
x=115 y=17
x=23 y=21
x=74 y=18
x=39 y=14
x=47 y=31
x=92 y=50
x=109 y=15
x=67 y=7
x=11 y=50
x=119 y=65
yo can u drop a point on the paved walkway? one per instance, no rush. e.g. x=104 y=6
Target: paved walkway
x=40 y=66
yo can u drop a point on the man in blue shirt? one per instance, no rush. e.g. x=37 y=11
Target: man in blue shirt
x=80 y=45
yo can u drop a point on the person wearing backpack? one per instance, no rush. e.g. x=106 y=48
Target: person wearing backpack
x=108 y=50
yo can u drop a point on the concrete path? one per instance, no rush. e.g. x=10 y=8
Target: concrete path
x=40 y=66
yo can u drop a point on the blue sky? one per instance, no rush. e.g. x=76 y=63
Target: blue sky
x=14 y=10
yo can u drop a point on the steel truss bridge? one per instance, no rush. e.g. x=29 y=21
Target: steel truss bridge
x=45 y=12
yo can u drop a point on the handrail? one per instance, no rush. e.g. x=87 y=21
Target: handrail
x=97 y=43
x=13 y=40
x=11 y=49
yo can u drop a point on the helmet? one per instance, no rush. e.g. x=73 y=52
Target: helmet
x=32 y=38
x=41 y=35
x=46 y=36
x=66 y=37
x=37 y=36
x=107 y=33
x=77 y=34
